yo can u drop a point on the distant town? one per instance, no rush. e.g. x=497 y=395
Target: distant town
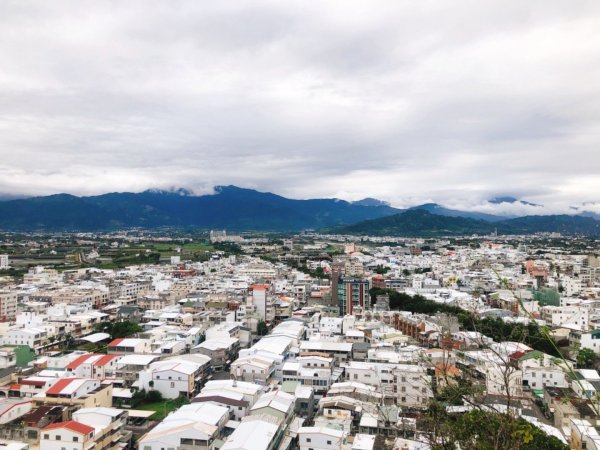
x=158 y=340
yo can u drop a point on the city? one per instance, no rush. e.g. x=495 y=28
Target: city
x=300 y=341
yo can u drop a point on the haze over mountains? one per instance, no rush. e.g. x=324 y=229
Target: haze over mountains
x=236 y=208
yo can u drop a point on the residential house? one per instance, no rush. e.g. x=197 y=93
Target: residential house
x=194 y=426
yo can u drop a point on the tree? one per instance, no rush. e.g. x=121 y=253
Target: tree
x=486 y=430
x=586 y=358
x=381 y=270
x=68 y=341
x=118 y=329
x=154 y=396
x=262 y=328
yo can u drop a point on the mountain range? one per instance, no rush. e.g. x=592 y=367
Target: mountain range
x=230 y=207
x=240 y=209
x=419 y=222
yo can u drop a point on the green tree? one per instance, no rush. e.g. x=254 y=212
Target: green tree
x=586 y=358
x=484 y=430
x=381 y=270
x=68 y=341
x=118 y=329
x=262 y=328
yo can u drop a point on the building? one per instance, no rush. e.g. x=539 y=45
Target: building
x=109 y=426
x=8 y=306
x=129 y=346
x=4 y=263
x=353 y=292
x=82 y=392
x=175 y=378
x=406 y=384
x=32 y=337
x=256 y=432
x=72 y=435
x=13 y=408
x=321 y=438
x=256 y=369
x=98 y=366
x=221 y=351
x=194 y=426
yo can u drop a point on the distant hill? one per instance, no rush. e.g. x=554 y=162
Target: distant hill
x=434 y=208
x=418 y=222
x=562 y=223
x=230 y=207
x=511 y=200
x=370 y=202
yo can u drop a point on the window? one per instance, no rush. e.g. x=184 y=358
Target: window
x=308 y=440
x=46 y=436
x=57 y=437
x=75 y=439
x=328 y=442
x=172 y=384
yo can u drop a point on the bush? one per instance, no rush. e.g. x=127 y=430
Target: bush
x=154 y=397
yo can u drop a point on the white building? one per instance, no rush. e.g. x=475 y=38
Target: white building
x=4 y=263
x=257 y=432
x=320 y=438
x=71 y=434
x=8 y=306
x=173 y=378
x=191 y=426
x=92 y=365
x=32 y=337
x=408 y=384
x=11 y=409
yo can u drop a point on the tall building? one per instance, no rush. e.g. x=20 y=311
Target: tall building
x=337 y=267
x=259 y=299
x=352 y=292
x=8 y=306
x=3 y=261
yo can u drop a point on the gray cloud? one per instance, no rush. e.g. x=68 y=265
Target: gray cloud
x=405 y=101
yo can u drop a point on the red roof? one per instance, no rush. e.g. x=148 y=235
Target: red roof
x=260 y=287
x=27 y=382
x=79 y=361
x=60 y=385
x=105 y=360
x=77 y=427
x=115 y=342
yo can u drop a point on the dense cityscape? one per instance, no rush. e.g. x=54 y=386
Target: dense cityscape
x=159 y=340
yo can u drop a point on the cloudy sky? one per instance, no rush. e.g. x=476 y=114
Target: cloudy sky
x=407 y=101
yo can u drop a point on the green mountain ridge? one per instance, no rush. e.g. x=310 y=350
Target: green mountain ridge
x=416 y=222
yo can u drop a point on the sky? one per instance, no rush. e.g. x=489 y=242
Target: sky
x=406 y=101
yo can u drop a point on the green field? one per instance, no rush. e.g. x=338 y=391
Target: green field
x=161 y=409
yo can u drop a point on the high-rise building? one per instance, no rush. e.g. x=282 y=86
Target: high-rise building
x=8 y=306
x=337 y=267
x=259 y=299
x=352 y=292
x=3 y=261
